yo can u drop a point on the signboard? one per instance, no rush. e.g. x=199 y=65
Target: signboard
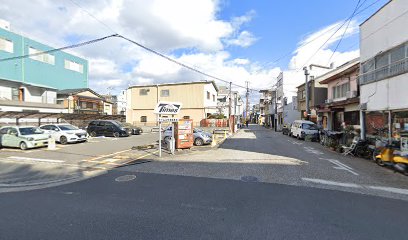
x=161 y=119
x=167 y=108
x=279 y=86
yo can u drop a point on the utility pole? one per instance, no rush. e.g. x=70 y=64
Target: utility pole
x=230 y=100
x=247 y=101
x=307 y=92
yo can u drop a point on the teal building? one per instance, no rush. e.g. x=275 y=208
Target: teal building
x=58 y=69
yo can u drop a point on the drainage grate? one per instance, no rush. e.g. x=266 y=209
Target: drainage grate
x=249 y=179
x=125 y=178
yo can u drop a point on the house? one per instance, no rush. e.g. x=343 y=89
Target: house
x=223 y=102
x=267 y=107
x=384 y=71
x=317 y=97
x=342 y=103
x=58 y=70
x=198 y=99
x=83 y=100
x=111 y=104
x=286 y=112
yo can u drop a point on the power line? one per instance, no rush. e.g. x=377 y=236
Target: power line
x=60 y=49
x=317 y=37
x=345 y=30
x=157 y=52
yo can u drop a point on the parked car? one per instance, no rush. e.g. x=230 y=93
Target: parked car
x=23 y=137
x=65 y=133
x=301 y=128
x=200 y=136
x=107 y=128
x=134 y=130
x=286 y=129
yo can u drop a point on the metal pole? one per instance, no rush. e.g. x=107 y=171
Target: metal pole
x=363 y=125
x=389 y=128
x=307 y=92
x=247 y=101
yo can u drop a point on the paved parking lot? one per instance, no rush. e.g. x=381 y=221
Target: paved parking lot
x=22 y=169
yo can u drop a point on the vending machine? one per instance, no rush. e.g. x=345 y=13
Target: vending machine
x=184 y=133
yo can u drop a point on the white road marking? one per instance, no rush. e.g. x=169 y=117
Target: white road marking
x=390 y=189
x=201 y=207
x=353 y=185
x=295 y=143
x=312 y=150
x=36 y=159
x=333 y=183
x=341 y=166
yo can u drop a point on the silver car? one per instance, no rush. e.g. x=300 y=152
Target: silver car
x=200 y=136
x=23 y=137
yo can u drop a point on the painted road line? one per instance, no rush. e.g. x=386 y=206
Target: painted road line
x=333 y=183
x=138 y=158
x=353 y=185
x=312 y=150
x=341 y=166
x=36 y=159
x=108 y=155
x=295 y=143
x=390 y=189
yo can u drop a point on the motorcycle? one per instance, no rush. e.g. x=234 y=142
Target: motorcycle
x=389 y=155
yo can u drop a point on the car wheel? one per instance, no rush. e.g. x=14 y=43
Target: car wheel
x=92 y=134
x=23 y=146
x=63 y=140
x=116 y=134
x=298 y=137
x=198 y=142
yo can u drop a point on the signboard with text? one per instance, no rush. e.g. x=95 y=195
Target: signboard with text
x=167 y=108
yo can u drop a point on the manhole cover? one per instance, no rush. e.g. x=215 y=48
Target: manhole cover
x=249 y=179
x=125 y=178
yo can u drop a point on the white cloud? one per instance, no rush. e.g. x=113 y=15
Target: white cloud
x=244 y=39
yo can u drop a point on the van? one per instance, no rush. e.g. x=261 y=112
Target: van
x=301 y=128
x=107 y=128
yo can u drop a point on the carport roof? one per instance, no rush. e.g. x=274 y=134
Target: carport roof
x=66 y=116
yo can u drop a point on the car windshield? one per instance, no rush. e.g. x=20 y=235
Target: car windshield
x=309 y=126
x=67 y=127
x=30 y=131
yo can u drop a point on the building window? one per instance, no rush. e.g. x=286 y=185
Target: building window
x=143 y=119
x=213 y=98
x=186 y=117
x=341 y=90
x=165 y=93
x=73 y=66
x=42 y=57
x=89 y=105
x=208 y=95
x=15 y=94
x=303 y=94
x=6 y=45
x=352 y=118
x=143 y=92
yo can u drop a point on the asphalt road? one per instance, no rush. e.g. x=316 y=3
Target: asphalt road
x=258 y=185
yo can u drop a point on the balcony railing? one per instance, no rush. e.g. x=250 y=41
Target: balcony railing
x=388 y=71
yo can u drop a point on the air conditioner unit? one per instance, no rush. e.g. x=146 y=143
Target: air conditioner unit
x=328 y=101
x=351 y=94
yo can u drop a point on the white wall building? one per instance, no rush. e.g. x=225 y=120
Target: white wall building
x=223 y=102
x=121 y=103
x=384 y=69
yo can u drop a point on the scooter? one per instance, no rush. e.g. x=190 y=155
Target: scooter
x=391 y=157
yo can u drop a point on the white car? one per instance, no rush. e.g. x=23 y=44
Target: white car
x=65 y=133
x=301 y=128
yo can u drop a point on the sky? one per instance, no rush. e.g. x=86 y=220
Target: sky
x=234 y=40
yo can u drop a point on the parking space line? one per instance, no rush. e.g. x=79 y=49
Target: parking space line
x=108 y=155
x=35 y=159
x=138 y=158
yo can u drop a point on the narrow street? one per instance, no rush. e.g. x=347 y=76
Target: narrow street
x=258 y=185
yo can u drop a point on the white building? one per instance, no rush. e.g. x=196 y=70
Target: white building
x=384 y=69
x=223 y=102
x=121 y=102
x=29 y=98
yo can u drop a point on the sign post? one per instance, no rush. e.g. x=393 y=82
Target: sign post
x=167 y=108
